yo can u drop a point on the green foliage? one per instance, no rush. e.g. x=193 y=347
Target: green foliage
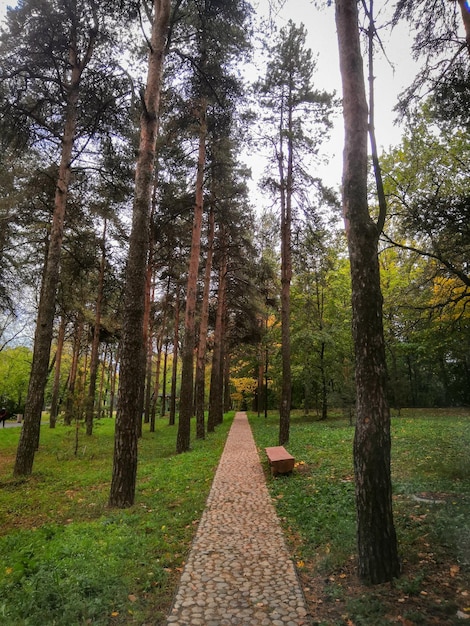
x=69 y=559
x=15 y=366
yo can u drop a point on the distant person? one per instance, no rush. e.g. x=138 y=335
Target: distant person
x=3 y=416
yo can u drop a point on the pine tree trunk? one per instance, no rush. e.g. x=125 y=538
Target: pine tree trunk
x=203 y=326
x=215 y=414
x=377 y=545
x=29 y=437
x=94 y=359
x=112 y=391
x=70 y=403
x=103 y=377
x=132 y=370
x=187 y=357
x=56 y=385
x=227 y=398
x=165 y=363
x=156 y=389
x=286 y=277
x=174 y=369
x=148 y=338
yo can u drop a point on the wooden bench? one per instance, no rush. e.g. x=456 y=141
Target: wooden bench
x=280 y=460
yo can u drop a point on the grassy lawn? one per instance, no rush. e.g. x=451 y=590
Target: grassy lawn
x=431 y=477
x=66 y=559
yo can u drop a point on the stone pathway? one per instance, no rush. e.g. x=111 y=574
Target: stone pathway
x=239 y=572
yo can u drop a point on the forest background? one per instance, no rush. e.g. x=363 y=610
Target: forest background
x=425 y=299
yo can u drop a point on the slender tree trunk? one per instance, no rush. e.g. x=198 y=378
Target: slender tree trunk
x=377 y=545
x=286 y=278
x=95 y=346
x=227 y=398
x=149 y=298
x=148 y=338
x=203 y=326
x=112 y=390
x=58 y=362
x=123 y=481
x=29 y=437
x=101 y=397
x=324 y=386
x=174 y=369
x=70 y=403
x=223 y=334
x=215 y=414
x=165 y=364
x=156 y=389
x=187 y=357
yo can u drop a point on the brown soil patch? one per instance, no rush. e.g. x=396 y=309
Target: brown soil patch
x=428 y=593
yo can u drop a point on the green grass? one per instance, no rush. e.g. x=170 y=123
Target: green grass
x=430 y=459
x=67 y=559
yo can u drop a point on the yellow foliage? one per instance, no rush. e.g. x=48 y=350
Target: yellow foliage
x=451 y=293
x=244 y=386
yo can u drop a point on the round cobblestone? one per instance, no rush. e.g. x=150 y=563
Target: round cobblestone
x=239 y=572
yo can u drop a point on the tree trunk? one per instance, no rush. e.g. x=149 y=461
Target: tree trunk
x=216 y=411
x=101 y=393
x=187 y=357
x=165 y=363
x=46 y=310
x=286 y=277
x=156 y=389
x=377 y=545
x=56 y=385
x=71 y=402
x=203 y=326
x=174 y=369
x=123 y=482
x=148 y=335
x=149 y=298
x=112 y=391
x=94 y=359
x=227 y=398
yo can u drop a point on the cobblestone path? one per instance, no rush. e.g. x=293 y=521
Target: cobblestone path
x=239 y=572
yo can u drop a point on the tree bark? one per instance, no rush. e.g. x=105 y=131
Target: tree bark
x=174 y=369
x=94 y=358
x=165 y=364
x=187 y=357
x=286 y=274
x=216 y=407
x=156 y=389
x=377 y=545
x=56 y=385
x=132 y=370
x=203 y=326
x=71 y=403
x=29 y=437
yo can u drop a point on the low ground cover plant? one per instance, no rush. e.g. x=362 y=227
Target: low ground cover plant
x=431 y=479
x=67 y=559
